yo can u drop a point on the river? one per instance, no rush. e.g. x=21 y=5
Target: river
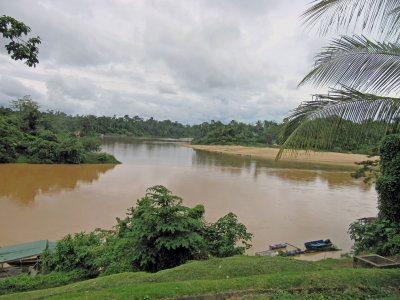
x=278 y=202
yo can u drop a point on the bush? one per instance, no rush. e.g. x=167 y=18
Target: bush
x=223 y=236
x=388 y=184
x=78 y=253
x=379 y=236
x=91 y=143
x=70 y=150
x=382 y=236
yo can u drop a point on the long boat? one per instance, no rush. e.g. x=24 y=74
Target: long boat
x=277 y=246
x=319 y=245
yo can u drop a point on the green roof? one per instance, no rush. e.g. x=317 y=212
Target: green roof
x=14 y=252
x=52 y=246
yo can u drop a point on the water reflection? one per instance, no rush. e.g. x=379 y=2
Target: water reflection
x=23 y=182
x=147 y=151
x=292 y=171
x=285 y=202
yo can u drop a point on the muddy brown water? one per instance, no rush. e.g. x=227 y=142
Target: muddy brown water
x=278 y=202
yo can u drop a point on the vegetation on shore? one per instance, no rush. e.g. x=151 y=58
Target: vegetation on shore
x=262 y=277
x=158 y=233
x=270 y=133
x=29 y=136
x=355 y=64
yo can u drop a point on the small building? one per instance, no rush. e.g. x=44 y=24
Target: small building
x=22 y=256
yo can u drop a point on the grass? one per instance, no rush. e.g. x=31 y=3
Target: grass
x=254 y=277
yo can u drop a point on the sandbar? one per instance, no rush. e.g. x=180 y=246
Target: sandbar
x=327 y=158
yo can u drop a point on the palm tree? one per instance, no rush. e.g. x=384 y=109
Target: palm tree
x=365 y=73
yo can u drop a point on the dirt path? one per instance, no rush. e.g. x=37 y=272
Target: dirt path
x=328 y=158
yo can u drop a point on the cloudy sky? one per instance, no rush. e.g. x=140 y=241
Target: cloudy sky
x=185 y=60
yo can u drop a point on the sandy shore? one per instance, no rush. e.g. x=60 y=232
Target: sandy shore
x=328 y=158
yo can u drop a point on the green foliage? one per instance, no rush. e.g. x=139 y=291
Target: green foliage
x=382 y=235
x=379 y=236
x=27 y=135
x=270 y=133
x=346 y=119
x=10 y=137
x=223 y=236
x=28 y=113
x=388 y=184
x=265 y=133
x=357 y=61
x=19 y=49
x=358 y=64
x=159 y=233
x=98 y=158
x=369 y=171
x=91 y=143
x=162 y=232
x=70 y=150
x=78 y=253
x=91 y=125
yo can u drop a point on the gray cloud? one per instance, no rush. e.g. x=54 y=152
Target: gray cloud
x=189 y=61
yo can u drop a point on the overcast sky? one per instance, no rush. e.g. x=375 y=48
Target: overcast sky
x=185 y=60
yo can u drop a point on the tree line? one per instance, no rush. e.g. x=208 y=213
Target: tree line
x=30 y=136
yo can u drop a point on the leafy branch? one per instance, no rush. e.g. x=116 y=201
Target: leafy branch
x=19 y=49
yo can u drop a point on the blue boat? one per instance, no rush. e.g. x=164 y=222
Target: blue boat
x=293 y=252
x=319 y=245
x=277 y=246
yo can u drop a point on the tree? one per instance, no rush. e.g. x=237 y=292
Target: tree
x=19 y=49
x=223 y=236
x=158 y=233
x=28 y=113
x=356 y=63
x=388 y=184
x=161 y=232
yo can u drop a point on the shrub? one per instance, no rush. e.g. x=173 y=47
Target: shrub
x=91 y=143
x=76 y=253
x=379 y=236
x=223 y=236
x=388 y=184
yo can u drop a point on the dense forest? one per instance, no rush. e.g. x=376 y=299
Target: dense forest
x=29 y=135
x=262 y=133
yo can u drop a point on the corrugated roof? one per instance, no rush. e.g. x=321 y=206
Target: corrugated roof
x=14 y=252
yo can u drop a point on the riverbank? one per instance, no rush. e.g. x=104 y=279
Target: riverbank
x=238 y=277
x=268 y=153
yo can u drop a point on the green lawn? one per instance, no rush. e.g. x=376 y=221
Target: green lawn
x=259 y=277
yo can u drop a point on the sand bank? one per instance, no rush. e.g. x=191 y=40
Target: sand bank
x=328 y=158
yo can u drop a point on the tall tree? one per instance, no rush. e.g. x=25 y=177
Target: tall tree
x=12 y=30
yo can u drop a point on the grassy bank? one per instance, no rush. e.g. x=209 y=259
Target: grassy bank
x=241 y=275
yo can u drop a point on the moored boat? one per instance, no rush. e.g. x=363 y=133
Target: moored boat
x=277 y=246
x=292 y=252
x=319 y=245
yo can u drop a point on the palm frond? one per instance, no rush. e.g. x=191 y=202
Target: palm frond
x=347 y=113
x=359 y=63
x=338 y=15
